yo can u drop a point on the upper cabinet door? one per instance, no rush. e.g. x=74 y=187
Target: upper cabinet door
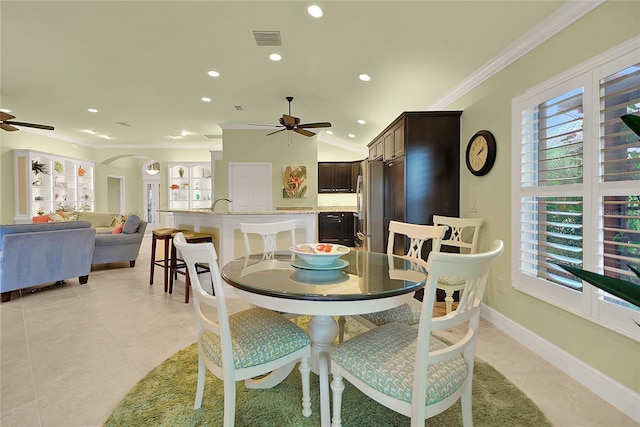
x=326 y=172
x=336 y=177
x=342 y=183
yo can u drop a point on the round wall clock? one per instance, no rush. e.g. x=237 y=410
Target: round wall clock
x=481 y=153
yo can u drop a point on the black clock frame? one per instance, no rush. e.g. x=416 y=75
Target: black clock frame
x=491 y=154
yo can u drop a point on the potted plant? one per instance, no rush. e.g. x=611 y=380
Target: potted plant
x=38 y=167
x=623 y=289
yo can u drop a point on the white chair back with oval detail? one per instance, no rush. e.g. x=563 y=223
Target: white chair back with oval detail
x=269 y=232
x=243 y=345
x=418 y=235
x=409 y=369
x=463 y=234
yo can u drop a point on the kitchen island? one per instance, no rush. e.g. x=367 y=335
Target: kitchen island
x=225 y=227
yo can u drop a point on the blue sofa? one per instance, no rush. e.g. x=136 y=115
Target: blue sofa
x=35 y=254
x=119 y=247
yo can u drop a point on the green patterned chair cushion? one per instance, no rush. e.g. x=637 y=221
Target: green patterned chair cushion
x=258 y=336
x=408 y=313
x=384 y=358
x=451 y=281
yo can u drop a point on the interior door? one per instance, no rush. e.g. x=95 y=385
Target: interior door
x=151 y=192
x=250 y=187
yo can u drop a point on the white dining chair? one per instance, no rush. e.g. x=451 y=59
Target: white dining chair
x=409 y=369
x=418 y=235
x=269 y=232
x=244 y=345
x=463 y=236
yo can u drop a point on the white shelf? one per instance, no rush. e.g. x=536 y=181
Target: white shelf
x=66 y=184
x=190 y=186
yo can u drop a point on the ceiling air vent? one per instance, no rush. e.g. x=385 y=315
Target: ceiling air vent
x=267 y=37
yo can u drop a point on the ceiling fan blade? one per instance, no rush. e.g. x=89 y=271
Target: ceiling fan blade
x=30 y=125
x=8 y=127
x=315 y=125
x=6 y=116
x=304 y=132
x=275 y=132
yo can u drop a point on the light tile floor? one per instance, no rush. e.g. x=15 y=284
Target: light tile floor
x=70 y=353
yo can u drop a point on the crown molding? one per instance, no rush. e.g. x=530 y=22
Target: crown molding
x=558 y=21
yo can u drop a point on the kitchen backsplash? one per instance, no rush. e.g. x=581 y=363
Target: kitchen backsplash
x=342 y=199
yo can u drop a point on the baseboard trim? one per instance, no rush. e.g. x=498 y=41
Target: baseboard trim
x=615 y=393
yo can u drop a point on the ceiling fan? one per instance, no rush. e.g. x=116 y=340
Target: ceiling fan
x=293 y=123
x=7 y=124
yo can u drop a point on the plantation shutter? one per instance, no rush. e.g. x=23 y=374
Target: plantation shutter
x=551 y=219
x=620 y=162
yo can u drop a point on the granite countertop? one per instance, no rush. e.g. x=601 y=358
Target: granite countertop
x=277 y=211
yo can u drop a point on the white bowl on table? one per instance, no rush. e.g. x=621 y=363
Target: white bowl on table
x=319 y=253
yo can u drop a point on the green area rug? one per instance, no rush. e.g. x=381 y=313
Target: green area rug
x=165 y=398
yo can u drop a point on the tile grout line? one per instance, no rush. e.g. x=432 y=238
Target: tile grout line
x=33 y=379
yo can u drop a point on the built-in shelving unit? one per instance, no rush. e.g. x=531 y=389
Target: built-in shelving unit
x=190 y=186
x=48 y=183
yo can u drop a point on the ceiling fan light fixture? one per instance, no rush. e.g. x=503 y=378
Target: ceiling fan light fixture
x=315 y=11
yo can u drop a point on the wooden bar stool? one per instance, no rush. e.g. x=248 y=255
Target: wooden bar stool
x=166 y=236
x=178 y=266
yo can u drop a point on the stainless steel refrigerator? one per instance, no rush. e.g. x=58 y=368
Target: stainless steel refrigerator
x=368 y=220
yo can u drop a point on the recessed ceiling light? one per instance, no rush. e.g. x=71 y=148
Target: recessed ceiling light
x=364 y=77
x=362 y=122
x=351 y=135
x=315 y=11
x=92 y=110
x=92 y=132
x=329 y=132
x=213 y=73
x=5 y=110
x=205 y=99
x=275 y=57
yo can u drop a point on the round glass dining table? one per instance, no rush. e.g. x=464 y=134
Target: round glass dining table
x=358 y=282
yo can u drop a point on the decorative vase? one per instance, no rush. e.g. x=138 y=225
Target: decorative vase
x=181 y=172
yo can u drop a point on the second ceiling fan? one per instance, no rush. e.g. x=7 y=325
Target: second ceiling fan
x=293 y=123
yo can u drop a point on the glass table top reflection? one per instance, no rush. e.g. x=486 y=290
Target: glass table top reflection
x=357 y=275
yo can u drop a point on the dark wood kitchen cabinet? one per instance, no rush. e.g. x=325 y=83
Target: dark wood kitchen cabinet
x=337 y=177
x=336 y=227
x=422 y=170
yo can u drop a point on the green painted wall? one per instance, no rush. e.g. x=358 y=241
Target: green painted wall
x=254 y=146
x=489 y=107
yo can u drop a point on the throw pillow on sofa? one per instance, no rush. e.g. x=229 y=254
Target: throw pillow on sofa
x=118 y=229
x=41 y=218
x=56 y=217
x=131 y=225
